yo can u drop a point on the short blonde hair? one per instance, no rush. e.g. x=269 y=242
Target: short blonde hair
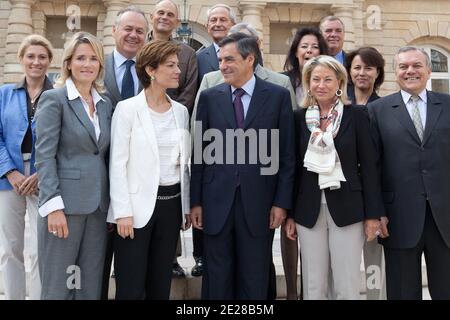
x=77 y=39
x=327 y=62
x=35 y=40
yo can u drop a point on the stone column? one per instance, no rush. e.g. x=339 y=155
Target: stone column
x=19 y=26
x=112 y=8
x=345 y=13
x=252 y=13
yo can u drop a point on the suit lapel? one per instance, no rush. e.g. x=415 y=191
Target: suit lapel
x=81 y=114
x=345 y=121
x=102 y=119
x=261 y=73
x=212 y=57
x=225 y=104
x=259 y=96
x=401 y=114
x=110 y=77
x=434 y=109
x=146 y=121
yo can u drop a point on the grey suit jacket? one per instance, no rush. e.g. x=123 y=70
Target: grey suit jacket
x=214 y=78
x=70 y=162
x=207 y=61
x=112 y=91
x=413 y=171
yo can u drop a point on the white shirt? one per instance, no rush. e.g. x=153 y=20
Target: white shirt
x=57 y=202
x=248 y=87
x=421 y=104
x=119 y=70
x=168 y=142
x=217 y=48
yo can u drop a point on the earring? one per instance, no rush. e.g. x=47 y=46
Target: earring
x=338 y=92
x=152 y=78
x=309 y=94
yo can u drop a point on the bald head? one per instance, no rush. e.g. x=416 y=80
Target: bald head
x=164 y=19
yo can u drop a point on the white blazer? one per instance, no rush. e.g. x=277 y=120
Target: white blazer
x=134 y=161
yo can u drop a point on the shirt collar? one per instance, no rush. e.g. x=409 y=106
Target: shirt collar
x=119 y=59
x=217 y=48
x=22 y=84
x=73 y=93
x=248 y=87
x=340 y=56
x=406 y=96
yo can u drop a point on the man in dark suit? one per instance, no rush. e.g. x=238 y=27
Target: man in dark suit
x=412 y=132
x=234 y=197
x=129 y=32
x=333 y=30
x=220 y=19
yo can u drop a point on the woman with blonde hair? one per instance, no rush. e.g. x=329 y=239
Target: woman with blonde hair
x=18 y=179
x=336 y=184
x=73 y=134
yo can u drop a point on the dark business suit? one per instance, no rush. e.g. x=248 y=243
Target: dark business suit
x=415 y=180
x=235 y=223
x=207 y=61
x=113 y=93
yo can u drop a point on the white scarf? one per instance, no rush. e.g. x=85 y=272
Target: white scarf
x=321 y=156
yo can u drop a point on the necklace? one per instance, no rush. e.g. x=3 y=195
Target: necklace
x=33 y=99
x=323 y=117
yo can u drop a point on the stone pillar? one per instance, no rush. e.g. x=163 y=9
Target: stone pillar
x=252 y=13
x=358 y=23
x=345 y=13
x=19 y=26
x=112 y=8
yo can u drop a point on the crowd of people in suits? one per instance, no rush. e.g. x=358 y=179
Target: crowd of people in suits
x=110 y=163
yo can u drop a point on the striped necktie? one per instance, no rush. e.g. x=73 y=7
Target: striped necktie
x=417 y=120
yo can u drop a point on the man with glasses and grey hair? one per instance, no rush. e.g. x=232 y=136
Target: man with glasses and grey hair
x=411 y=129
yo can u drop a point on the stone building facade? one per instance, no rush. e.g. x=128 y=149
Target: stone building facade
x=384 y=24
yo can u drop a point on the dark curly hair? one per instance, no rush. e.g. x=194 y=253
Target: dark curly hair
x=291 y=66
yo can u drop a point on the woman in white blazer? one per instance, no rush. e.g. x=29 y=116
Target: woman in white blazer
x=149 y=176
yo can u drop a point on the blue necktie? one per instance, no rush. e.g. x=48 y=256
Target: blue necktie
x=239 y=107
x=127 y=81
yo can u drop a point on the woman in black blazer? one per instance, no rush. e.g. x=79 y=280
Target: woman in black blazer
x=336 y=184
x=308 y=42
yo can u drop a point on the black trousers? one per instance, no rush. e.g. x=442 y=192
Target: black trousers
x=197 y=241
x=404 y=266
x=236 y=264
x=143 y=265
x=108 y=260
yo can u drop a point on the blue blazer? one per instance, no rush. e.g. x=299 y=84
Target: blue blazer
x=13 y=126
x=213 y=186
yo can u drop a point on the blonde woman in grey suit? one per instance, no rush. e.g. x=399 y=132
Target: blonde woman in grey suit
x=73 y=133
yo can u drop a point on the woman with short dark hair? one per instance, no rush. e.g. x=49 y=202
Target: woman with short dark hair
x=149 y=176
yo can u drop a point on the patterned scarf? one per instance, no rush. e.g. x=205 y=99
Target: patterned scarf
x=321 y=156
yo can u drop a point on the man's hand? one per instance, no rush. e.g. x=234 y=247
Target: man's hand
x=16 y=179
x=291 y=230
x=196 y=217
x=187 y=222
x=277 y=216
x=383 y=227
x=372 y=228
x=29 y=185
x=125 y=227
x=57 y=224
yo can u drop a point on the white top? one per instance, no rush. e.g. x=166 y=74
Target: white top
x=119 y=70
x=421 y=105
x=167 y=138
x=57 y=202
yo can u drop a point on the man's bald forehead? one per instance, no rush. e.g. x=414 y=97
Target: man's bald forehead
x=162 y=2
